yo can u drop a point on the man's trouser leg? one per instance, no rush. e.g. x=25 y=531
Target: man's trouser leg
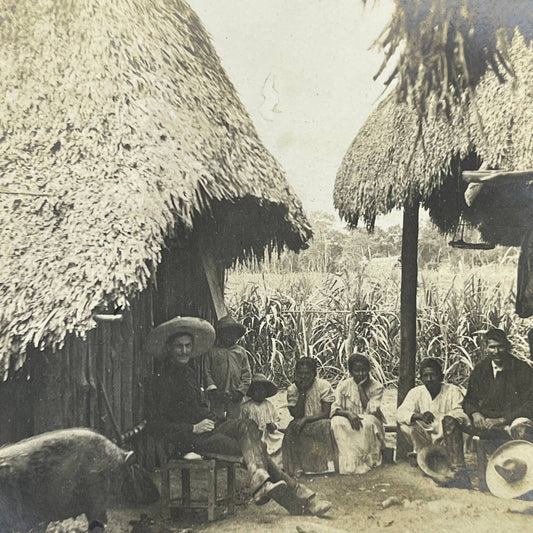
x=416 y=435
x=235 y=437
x=297 y=497
x=245 y=435
x=453 y=442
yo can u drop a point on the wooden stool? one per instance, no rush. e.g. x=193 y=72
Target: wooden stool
x=210 y=466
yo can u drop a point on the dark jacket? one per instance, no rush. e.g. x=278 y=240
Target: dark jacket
x=176 y=405
x=509 y=395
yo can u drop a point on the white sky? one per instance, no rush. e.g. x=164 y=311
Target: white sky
x=316 y=53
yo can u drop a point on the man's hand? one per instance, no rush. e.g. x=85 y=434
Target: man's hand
x=355 y=422
x=205 y=426
x=479 y=421
x=428 y=417
x=271 y=427
x=493 y=423
x=236 y=396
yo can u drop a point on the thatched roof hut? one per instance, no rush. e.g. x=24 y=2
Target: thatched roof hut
x=119 y=120
x=393 y=161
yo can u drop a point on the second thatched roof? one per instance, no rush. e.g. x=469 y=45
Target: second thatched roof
x=118 y=118
x=392 y=161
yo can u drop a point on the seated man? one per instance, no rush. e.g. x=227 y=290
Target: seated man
x=499 y=398
x=431 y=414
x=176 y=416
x=308 y=444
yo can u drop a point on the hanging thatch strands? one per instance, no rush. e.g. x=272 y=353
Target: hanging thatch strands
x=121 y=110
x=442 y=48
x=392 y=161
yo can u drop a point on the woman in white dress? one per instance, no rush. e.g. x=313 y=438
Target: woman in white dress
x=356 y=419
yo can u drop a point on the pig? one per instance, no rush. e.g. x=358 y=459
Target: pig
x=66 y=473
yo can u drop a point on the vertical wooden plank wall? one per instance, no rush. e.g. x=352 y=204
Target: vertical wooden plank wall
x=65 y=387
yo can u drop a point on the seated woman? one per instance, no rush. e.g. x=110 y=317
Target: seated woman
x=264 y=414
x=308 y=445
x=357 y=421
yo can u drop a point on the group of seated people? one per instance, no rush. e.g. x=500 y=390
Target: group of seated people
x=344 y=427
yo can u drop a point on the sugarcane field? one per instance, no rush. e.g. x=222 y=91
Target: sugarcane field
x=266 y=266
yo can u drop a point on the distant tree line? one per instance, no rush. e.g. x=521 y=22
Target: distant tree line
x=335 y=249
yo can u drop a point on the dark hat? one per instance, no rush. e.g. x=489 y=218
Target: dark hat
x=510 y=469
x=433 y=460
x=262 y=379
x=229 y=323
x=496 y=334
x=199 y=329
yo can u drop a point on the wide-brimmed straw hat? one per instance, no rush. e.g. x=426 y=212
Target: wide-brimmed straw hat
x=258 y=379
x=433 y=460
x=510 y=469
x=229 y=323
x=199 y=329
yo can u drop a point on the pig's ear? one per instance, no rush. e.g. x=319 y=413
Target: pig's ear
x=130 y=458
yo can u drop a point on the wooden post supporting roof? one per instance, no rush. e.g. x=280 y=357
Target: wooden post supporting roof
x=406 y=380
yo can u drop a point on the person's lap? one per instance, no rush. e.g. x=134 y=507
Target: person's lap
x=311 y=450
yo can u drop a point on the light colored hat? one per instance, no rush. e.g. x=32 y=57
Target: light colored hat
x=200 y=330
x=433 y=460
x=262 y=379
x=510 y=469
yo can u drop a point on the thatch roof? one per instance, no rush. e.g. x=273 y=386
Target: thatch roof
x=440 y=49
x=389 y=163
x=120 y=113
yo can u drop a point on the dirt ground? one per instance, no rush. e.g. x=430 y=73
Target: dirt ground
x=421 y=506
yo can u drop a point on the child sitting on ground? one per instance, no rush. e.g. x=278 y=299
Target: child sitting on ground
x=264 y=414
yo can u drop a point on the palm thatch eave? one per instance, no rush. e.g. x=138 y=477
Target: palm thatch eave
x=120 y=116
x=396 y=159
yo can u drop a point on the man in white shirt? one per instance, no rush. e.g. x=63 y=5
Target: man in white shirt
x=432 y=414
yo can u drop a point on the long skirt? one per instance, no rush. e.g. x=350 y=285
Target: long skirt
x=311 y=451
x=359 y=450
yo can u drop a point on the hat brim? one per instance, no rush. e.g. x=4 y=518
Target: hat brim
x=426 y=459
x=200 y=330
x=510 y=450
x=271 y=388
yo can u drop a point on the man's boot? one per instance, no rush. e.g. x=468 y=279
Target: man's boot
x=453 y=442
x=264 y=489
x=300 y=500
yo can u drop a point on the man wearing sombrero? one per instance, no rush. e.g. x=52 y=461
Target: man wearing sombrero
x=227 y=369
x=177 y=417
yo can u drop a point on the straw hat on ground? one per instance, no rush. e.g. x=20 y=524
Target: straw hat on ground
x=261 y=379
x=510 y=469
x=228 y=323
x=433 y=460
x=199 y=329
